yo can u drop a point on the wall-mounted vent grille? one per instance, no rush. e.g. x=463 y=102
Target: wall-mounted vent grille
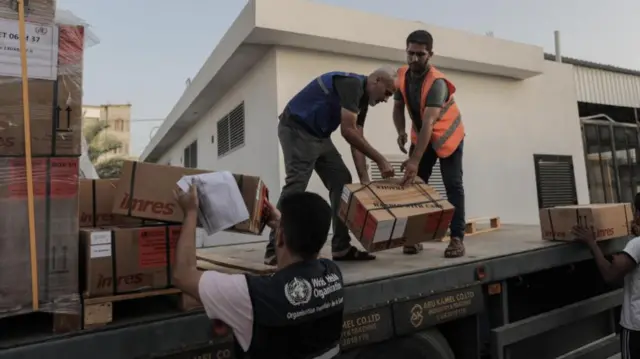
x=555 y=180
x=231 y=131
x=191 y=155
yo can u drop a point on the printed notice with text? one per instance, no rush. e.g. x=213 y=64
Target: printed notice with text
x=42 y=50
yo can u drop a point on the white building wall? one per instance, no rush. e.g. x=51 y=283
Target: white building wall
x=506 y=121
x=258 y=91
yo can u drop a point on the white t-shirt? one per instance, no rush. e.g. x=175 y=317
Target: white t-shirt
x=226 y=297
x=630 y=317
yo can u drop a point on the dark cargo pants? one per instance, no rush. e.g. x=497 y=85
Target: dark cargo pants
x=303 y=153
x=451 y=169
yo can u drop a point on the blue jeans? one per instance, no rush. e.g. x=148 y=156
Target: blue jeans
x=451 y=169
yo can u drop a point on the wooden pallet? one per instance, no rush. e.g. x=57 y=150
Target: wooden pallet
x=18 y=328
x=478 y=225
x=101 y=311
x=205 y=266
x=481 y=225
x=233 y=265
x=228 y=264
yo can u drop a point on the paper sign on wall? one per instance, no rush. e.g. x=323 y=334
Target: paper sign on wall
x=42 y=50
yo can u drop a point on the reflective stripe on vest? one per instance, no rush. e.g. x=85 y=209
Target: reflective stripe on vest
x=445 y=108
x=439 y=142
x=323 y=87
x=448 y=131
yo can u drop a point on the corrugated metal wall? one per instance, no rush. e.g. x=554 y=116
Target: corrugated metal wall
x=607 y=88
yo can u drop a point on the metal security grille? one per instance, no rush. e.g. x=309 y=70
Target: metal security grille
x=396 y=161
x=375 y=170
x=555 y=180
x=436 y=180
x=231 y=131
x=611 y=156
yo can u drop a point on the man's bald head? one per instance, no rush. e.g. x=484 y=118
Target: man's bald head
x=381 y=84
x=385 y=73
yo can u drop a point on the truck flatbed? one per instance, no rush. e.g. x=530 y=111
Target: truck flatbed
x=510 y=251
x=393 y=278
x=510 y=239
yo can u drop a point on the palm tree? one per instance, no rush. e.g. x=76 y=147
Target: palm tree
x=101 y=149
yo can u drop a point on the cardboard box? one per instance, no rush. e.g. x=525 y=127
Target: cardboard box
x=135 y=257
x=145 y=191
x=56 y=224
x=37 y=11
x=384 y=215
x=607 y=220
x=55 y=106
x=96 y=203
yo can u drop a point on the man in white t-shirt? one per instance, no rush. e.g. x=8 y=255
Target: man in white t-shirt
x=296 y=313
x=624 y=266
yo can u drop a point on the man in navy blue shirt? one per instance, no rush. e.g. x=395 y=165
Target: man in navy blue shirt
x=332 y=101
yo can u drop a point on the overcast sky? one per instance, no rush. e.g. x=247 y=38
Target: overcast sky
x=148 y=48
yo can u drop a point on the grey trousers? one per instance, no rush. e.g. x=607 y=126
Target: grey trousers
x=304 y=153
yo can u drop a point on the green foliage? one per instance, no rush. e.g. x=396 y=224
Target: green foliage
x=101 y=147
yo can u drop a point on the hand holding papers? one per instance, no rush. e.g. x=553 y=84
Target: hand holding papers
x=221 y=205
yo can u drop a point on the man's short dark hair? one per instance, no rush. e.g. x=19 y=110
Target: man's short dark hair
x=306 y=218
x=421 y=37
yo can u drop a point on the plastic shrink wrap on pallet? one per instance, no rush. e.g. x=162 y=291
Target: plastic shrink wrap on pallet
x=55 y=43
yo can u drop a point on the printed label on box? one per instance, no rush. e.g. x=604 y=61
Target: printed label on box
x=103 y=237
x=64 y=177
x=100 y=250
x=437 y=222
x=383 y=233
x=42 y=50
x=152 y=246
x=17 y=178
x=359 y=218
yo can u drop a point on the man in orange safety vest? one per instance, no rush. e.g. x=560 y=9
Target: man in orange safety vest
x=437 y=132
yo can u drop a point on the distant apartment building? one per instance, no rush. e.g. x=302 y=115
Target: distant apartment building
x=117 y=116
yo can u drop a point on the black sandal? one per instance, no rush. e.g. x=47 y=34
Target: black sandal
x=355 y=255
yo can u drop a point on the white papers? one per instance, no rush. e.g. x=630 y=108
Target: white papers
x=221 y=203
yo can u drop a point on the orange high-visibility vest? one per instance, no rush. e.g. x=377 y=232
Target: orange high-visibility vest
x=448 y=130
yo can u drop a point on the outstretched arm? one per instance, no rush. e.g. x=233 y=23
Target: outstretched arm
x=399 y=120
x=360 y=163
x=186 y=275
x=622 y=263
x=359 y=159
x=351 y=91
x=436 y=98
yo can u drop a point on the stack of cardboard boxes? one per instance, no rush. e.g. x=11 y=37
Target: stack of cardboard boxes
x=131 y=226
x=55 y=90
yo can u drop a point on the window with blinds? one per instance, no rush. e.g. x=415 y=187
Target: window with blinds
x=396 y=161
x=231 y=131
x=555 y=180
